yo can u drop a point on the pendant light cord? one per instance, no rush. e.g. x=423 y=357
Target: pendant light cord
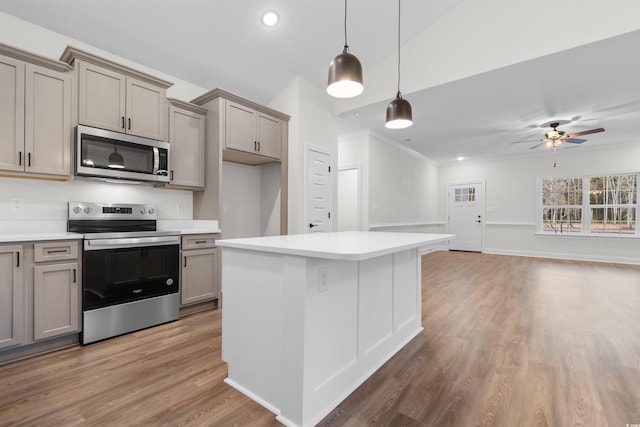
x=399 y=94
x=346 y=46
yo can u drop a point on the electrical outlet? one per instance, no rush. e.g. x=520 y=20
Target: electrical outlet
x=323 y=285
x=17 y=203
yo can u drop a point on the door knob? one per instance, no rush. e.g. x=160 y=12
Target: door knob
x=313 y=225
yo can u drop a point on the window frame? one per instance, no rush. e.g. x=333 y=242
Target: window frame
x=586 y=206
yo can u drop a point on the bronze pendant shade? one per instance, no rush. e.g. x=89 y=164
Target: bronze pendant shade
x=399 y=110
x=345 y=71
x=345 y=76
x=399 y=113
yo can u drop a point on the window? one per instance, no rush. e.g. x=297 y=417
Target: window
x=593 y=205
x=562 y=205
x=613 y=204
x=466 y=194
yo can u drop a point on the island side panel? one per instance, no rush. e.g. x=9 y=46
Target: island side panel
x=407 y=291
x=252 y=323
x=365 y=316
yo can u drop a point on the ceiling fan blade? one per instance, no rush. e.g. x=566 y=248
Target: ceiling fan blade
x=536 y=146
x=528 y=140
x=574 y=140
x=585 y=132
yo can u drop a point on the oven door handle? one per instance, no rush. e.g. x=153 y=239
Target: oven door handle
x=130 y=242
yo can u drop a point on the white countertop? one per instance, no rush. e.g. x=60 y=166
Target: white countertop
x=346 y=245
x=31 y=231
x=37 y=236
x=190 y=226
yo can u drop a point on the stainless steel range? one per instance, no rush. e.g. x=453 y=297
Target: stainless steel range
x=130 y=275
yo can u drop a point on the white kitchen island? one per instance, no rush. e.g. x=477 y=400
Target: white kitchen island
x=307 y=318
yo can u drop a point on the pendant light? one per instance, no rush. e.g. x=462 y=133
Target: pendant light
x=399 y=110
x=345 y=71
x=116 y=161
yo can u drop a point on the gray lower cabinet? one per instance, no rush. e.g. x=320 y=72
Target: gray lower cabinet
x=199 y=273
x=11 y=296
x=55 y=300
x=39 y=293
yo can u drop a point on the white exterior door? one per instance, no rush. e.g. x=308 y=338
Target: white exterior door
x=465 y=212
x=318 y=190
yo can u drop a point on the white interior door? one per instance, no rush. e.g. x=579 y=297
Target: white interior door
x=318 y=190
x=465 y=213
x=349 y=199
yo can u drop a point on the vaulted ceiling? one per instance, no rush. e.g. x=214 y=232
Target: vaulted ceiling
x=223 y=44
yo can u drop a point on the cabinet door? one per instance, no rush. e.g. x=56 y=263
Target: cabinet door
x=240 y=127
x=269 y=135
x=198 y=276
x=101 y=100
x=186 y=136
x=145 y=109
x=11 y=296
x=56 y=297
x=47 y=121
x=11 y=114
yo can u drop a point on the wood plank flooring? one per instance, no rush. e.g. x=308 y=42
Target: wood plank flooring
x=508 y=341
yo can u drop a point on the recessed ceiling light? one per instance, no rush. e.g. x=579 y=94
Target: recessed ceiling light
x=460 y=158
x=270 y=18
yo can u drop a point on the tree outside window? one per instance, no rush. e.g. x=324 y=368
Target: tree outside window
x=597 y=205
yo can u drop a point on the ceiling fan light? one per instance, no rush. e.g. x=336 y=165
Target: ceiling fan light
x=552 y=134
x=548 y=142
x=399 y=114
x=116 y=161
x=345 y=76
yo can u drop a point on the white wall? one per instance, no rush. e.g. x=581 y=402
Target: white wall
x=250 y=200
x=402 y=185
x=399 y=186
x=312 y=122
x=354 y=150
x=240 y=200
x=46 y=201
x=511 y=198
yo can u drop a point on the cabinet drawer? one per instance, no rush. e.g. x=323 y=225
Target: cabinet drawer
x=55 y=251
x=198 y=241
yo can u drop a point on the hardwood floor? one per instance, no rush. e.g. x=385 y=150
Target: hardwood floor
x=508 y=341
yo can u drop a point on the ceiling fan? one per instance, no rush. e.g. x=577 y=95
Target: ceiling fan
x=554 y=138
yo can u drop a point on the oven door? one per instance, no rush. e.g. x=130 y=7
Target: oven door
x=117 y=271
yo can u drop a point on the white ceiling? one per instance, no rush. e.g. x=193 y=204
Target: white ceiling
x=221 y=43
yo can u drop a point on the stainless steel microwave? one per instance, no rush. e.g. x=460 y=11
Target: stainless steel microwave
x=112 y=155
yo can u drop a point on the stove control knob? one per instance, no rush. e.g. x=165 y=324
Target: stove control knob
x=142 y=211
x=77 y=209
x=87 y=209
x=151 y=211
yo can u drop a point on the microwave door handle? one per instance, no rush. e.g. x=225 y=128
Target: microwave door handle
x=156 y=160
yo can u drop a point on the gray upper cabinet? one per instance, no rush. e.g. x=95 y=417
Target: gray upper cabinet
x=269 y=135
x=187 y=144
x=48 y=123
x=36 y=121
x=12 y=117
x=115 y=97
x=252 y=131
